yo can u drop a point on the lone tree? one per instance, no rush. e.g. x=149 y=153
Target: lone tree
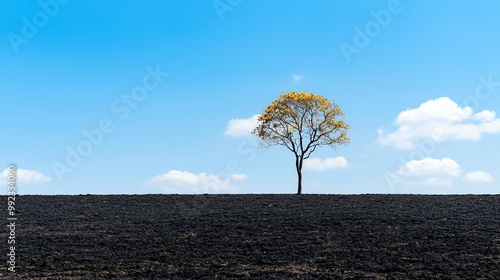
x=301 y=122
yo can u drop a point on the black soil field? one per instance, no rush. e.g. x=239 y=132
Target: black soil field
x=255 y=237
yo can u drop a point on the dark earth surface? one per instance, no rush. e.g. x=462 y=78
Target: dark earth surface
x=255 y=237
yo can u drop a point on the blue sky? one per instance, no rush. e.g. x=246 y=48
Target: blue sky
x=134 y=97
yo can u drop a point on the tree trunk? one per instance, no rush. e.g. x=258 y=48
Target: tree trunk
x=298 y=165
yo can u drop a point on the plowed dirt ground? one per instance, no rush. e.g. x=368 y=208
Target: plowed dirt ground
x=255 y=237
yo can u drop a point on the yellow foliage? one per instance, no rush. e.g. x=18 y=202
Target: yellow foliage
x=302 y=121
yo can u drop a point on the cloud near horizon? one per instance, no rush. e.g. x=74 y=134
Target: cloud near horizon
x=479 y=177
x=241 y=127
x=318 y=164
x=175 y=181
x=429 y=172
x=26 y=176
x=435 y=172
x=439 y=120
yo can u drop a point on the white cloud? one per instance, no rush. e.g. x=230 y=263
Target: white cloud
x=175 y=181
x=318 y=164
x=440 y=120
x=25 y=176
x=238 y=177
x=428 y=171
x=479 y=176
x=486 y=116
x=241 y=127
x=296 y=77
